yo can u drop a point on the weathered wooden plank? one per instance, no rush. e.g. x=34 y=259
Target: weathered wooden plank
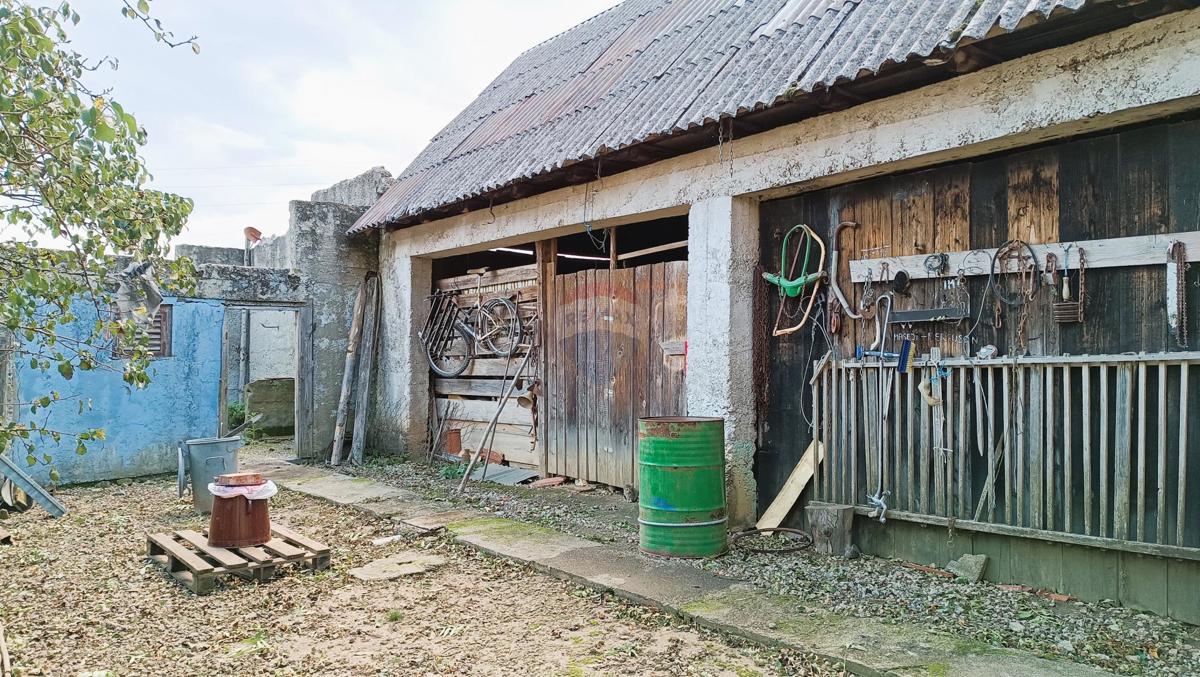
x=1117 y=252
x=483 y=410
x=817 y=433
x=366 y=367
x=546 y=252
x=1122 y=451
x=895 y=443
x=643 y=334
x=840 y=470
x=356 y=322
x=224 y=557
x=675 y=325
x=1160 y=519
x=658 y=333
x=492 y=277
x=475 y=387
x=606 y=462
x=186 y=557
x=1184 y=451
x=283 y=549
x=927 y=469
x=910 y=453
x=1105 y=463
x=1141 y=453
x=963 y=484
x=799 y=478
x=1050 y=450
x=1086 y=431
x=587 y=386
x=622 y=287
x=848 y=425
x=1035 y=436
x=577 y=377
x=1010 y=514
x=315 y=547
x=1068 y=453
x=990 y=417
x=851 y=480
x=1021 y=451
x=682 y=244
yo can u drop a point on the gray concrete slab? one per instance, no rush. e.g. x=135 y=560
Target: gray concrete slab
x=516 y=540
x=345 y=490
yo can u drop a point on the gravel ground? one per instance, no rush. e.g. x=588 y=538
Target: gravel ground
x=78 y=597
x=1104 y=635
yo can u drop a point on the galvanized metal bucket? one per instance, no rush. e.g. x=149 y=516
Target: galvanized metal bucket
x=681 y=464
x=205 y=459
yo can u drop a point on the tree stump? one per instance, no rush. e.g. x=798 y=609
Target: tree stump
x=831 y=527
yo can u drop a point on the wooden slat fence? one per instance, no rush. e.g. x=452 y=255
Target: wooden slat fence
x=615 y=342
x=1106 y=447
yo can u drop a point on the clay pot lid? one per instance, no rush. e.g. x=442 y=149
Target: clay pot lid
x=239 y=479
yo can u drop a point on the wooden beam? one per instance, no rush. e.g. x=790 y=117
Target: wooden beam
x=501 y=276
x=1117 y=252
x=339 y=431
x=1172 y=551
x=366 y=363
x=793 y=487
x=653 y=250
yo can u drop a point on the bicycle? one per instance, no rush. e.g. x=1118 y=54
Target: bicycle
x=452 y=336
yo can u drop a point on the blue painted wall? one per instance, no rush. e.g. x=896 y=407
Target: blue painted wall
x=142 y=427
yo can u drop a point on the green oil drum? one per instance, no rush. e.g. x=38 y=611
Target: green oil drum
x=681 y=464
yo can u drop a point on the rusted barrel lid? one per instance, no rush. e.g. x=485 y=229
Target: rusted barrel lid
x=239 y=479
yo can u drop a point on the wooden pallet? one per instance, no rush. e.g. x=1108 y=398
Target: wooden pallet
x=186 y=555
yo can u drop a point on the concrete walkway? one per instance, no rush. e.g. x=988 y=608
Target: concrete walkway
x=866 y=646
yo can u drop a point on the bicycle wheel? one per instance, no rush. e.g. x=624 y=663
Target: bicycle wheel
x=502 y=328
x=450 y=357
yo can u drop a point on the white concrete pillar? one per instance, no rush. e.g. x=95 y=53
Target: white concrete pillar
x=402 y=396
x=722 y=256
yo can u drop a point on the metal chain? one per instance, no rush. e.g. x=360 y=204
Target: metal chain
x=1179 y=254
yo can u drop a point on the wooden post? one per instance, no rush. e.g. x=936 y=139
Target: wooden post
x=362 y=404
x=547 y=259
x=612 y=248
x=339 y=430
x=831 y=527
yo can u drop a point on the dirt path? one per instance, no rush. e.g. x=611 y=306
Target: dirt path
x=76 y=595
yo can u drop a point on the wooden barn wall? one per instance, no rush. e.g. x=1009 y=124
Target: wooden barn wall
x=1138 y=181
x=614 y=354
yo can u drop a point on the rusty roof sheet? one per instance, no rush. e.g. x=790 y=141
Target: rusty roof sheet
x=651 y=68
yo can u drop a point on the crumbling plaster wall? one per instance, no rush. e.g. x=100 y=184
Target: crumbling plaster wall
x=1143 y=72
x=333 y=265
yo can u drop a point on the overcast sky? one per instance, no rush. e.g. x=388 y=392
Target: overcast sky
x=286 y=98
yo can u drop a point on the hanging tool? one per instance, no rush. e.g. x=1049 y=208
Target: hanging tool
x=1068 y=309
x=833 y=267
x=926 y=386
x=903 y=358
x=878 y=500
x=792 y=287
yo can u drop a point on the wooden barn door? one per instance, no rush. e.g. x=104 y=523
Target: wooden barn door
x=615 y=352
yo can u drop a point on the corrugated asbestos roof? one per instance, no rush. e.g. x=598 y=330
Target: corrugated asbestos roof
x=651 y=68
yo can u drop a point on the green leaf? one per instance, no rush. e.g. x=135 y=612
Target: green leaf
x=105 y=133
x=144 y=6
x=66 y=369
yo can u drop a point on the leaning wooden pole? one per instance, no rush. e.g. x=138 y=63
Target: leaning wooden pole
x=365 y=364
x=339 y=430
x=495 y=418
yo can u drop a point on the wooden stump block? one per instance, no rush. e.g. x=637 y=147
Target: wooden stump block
x=831 y=527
